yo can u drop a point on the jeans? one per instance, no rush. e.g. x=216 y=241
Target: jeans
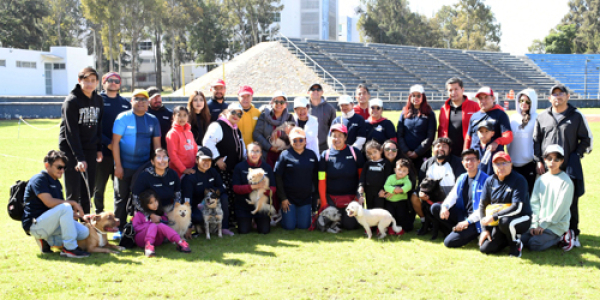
x=58 y=228
x=540 y=242
x=296 y=217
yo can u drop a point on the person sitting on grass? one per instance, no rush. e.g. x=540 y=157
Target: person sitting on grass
x=150 y=232
x=47 y=216
x=550 y=202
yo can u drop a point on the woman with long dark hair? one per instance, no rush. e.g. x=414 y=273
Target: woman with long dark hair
x=199 y=117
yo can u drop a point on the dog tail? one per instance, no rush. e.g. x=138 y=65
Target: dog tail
x=395 y=227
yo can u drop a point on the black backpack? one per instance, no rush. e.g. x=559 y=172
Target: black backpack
x=16 y=202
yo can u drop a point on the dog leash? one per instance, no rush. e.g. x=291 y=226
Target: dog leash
x=87 y=186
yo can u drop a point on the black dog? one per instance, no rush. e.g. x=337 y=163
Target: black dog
x=431 y=188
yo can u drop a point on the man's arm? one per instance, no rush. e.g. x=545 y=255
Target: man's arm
x=116 y=151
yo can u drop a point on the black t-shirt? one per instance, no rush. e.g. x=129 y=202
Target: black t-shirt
x=194 y=185
x=34 y=207
x=455 y=130
x=301 y=123
x=375 y=173
x=165 y=119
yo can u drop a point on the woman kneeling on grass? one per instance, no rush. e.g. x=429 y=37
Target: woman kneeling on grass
x=159 y=178
x=152 y=232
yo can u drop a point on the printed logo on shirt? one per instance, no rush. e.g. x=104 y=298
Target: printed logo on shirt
x=255 y=118
x=130 y=127
x=165 y=117
x=158 y=185
x=289 y=165
x=200 y=183
x=508 y=190
x=216 y=110
x=379 y=128
x=211 y=180
x=352 y=125
x=172 y=183
x=186 y=199
x=568 y=122
x=53 y=186
x=376 y=168
x=89 y=116
x=188 y=147
x=125 y=106
x=106 y=104
x=311 y=160
x=350 y=157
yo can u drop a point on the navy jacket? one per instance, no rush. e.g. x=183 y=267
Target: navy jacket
x=112 y=108
x=513 y=190
x=417 y=133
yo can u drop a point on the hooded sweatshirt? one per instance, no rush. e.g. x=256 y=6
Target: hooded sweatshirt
x=181 y=147
x=325 y=114
x=521 y=148
x=312 y=133
x=502 y=133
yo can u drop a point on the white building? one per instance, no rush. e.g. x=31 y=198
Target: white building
x=39 y=73
x=313 y=19
x=347 y=30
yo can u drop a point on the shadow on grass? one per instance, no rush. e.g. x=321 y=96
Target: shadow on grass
x=95 y=258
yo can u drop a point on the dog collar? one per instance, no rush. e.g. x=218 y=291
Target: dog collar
x=255 y=183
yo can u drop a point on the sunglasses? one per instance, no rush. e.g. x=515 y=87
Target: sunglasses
x=238 y=113
x=256 y=152
x=558 y=94
x=525 y=101
x=140 y=99
x=281 y=102
x=299 y=140
x=390 y=149
x=60 y=167
x=550 y=159
x=416 y=96
x=316 y=89
x=376 y=108
x=162 y=158
x=113 y=80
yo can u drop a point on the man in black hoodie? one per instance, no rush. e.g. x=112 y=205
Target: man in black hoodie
x=80 y=137
x=163 y=114
x=563 y=124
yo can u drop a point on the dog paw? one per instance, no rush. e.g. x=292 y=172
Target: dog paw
x=121 y=248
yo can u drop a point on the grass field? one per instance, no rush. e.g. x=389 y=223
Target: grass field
x=285 y=265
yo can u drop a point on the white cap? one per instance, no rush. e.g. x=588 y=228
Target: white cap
x=300 y=102
x=417 y=88
x=235 y=106
x=279 y=94
x=554 y=149
x=486 y=90
x=345 y=99
x=376 y=102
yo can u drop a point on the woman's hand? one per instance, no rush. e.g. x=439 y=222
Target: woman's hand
x=381 y=194
x=221 y=164
x=189 y=171
x=260 y=185
x=411 y=154
x=285 y=205
x=541 y=169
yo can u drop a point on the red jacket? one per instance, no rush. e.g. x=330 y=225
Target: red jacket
x=181 y=147
x=361 y=112
x=468 y=109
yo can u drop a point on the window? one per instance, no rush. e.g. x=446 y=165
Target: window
x=59 y=66
x=309 y=29
x=310 y=18
x=2 y=63
x=26 y=64
x=310 y=4
x=145 y=45
x=277 y=17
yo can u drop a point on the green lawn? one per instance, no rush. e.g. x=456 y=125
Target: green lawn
x=284 y=265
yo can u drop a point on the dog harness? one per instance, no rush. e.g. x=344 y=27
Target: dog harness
x=255 y=183
x=101 y=241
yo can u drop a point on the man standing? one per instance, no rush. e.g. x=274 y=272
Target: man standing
x=114 y=104
x=323 y=111
x=250 y=117
x=217 y=104
x=135 y=134
x=362 y=97
x=493 y=114
x=455 y=115
x=163 y=114
x=563 y=124
x=80 y=137
x=357 y=130
x=47 y=216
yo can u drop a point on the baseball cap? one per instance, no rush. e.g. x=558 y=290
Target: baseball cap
x=376 y=102
x=109 y=75
x=279 y=94
x=140 y=92
x=339 y=127
x=245 y=90
x=486 y=90
x=554 y=148
x=153 y=92
x=345 y=99
x=560 y=87
x=204 y=153
x=235 y=106
x=417 y=88
x=501 y=155
x=218 y=82
x=87 y=72
x=297 y=132
x=489 y=125
x=300 y=102
x=310 y=86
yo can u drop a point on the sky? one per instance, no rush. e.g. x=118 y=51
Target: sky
x=522 y=21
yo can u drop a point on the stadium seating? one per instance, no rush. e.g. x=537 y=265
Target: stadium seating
x=571 y=70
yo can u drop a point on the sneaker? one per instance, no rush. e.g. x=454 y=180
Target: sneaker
x=149 y=250
x=516 y=250
x=567 y=241
x=75 y=253
x=182 y=246
x=227 y=232
x=116 y=236
x=44 y=246
x=391 y=231
x=576 y=242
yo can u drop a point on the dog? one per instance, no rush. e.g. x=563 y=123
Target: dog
x=279 y=137
x=99 y=226
x=372 y=217
x=180 y=218
x=431 y=188
x=257 y=197
x=329 y=220
x=212 y=213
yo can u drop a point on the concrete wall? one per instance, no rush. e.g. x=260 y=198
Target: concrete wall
x=290 y=18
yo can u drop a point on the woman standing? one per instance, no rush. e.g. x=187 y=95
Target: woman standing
x=416 y=127
x=522 y=124
x=269 y=119
x=181 y=145
x=378 y=127
x=199 y=115
x=159 y=178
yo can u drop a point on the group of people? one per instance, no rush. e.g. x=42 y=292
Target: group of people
x=314 y=159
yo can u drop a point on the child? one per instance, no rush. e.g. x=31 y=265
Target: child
x=397 y=203
x=181 y=145
x=151 y=232
x=374 y=174
x=485 y=132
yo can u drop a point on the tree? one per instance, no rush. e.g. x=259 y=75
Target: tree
x=476 y=26
x=106 y=17
x=538 y=47
x=561 y=40
x=134 y=19
x=207 y=37
x=64 y=24
x=447 y=29
x=588 y=35
x=251 y=20
x=21 y=23
x=158 y=19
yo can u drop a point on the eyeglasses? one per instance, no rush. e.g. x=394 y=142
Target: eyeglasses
x=560 y=94
x=316 y=89
x=502 y=164
x=390 y=149
x=416 y=96
x=281 y=102
x=376 y=108
x=470 y=159
x=238 y=113
x=60 y=167
x=299 y=140
x=113 y=80
x=140 y=99
x=162 y=158
x=255 y=151
x=550 y=159
x=526 y=101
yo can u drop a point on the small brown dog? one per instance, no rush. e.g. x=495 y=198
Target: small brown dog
x=257 y=197
x=99 y=226
x=180 y=218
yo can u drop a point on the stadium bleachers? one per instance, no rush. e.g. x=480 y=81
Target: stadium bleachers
x=392 y=69
x=572 y=70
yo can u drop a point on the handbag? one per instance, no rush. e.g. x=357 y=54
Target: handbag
x=341 y=201
x=128 y=236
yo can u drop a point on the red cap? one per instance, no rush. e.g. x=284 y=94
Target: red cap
x=502 y=155
x=340 y=128
x=218 y=82
x=245 y=90
x=486 y=90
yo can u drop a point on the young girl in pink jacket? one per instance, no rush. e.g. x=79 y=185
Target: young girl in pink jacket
x=181 y=145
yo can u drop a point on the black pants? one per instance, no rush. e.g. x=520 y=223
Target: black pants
x=122 y=195
x=227 y=182
x=529 y=172
x=574 y=222
x=401 y=212
x=263 y=224
x=454 y=239
x=505 y=234
x=104 y=170
x=75 y=185
x=373 y=199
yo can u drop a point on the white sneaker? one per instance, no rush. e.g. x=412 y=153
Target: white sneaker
x=576 y=242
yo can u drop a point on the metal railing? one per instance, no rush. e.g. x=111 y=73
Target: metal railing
x=316 y=67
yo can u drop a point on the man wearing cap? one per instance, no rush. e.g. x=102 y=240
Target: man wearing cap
x=163 y=114
x=114 y=104
x=135 y=134
x=455 y=114
x=80 y=137
x=250 y=117
x=323 y=111
x=563 y=124
x=362 y=98
x=509 y=189
x=307 y=122
x=493 y=113
x=550 y=202
x=357 y=131
x=217 y=104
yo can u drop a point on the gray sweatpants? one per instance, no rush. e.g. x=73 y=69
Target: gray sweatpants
x=540 y=242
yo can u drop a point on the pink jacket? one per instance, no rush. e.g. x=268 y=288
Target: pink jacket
x=182 y=148
x=140 y=222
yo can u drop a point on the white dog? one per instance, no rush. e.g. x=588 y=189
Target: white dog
x=372 y=217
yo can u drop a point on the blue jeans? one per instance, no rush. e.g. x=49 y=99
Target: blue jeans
x=58 y=228
x=296 y=217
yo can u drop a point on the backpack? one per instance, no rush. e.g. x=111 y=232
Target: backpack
x=16 y=202
x=128 y=236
